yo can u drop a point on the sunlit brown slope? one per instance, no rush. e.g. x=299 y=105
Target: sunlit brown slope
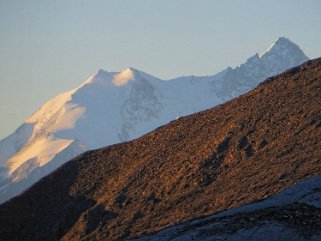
x=245 y=150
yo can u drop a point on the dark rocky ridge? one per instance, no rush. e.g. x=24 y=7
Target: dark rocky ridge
x=294 y=212
x=245 y=150
x=302 y=220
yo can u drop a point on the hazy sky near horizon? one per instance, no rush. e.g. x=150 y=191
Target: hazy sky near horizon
x=47 y=46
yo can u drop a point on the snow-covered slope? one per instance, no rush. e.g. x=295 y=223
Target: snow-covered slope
x=294 y=213
x=112 y=107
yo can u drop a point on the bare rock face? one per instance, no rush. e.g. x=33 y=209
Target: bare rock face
x=245 y=150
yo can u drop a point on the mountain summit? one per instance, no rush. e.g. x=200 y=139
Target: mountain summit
x=237 y=153
x=281 y=55
x=285 y=48
x=280 y=52
x=113 y=107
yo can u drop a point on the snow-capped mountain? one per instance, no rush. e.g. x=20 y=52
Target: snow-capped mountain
x=113 y=107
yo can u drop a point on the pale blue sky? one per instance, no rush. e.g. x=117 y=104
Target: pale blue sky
x=49 y=46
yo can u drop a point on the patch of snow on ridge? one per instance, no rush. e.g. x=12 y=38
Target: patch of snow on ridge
x=45 y=112
x=71 y=114
x=42 y=151
x=123 y=77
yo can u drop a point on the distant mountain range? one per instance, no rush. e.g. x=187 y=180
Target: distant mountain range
x=113 y=107
x=218 y=160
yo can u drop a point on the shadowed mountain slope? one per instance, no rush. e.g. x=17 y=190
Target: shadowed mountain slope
x=295 y=213
x=243 y=151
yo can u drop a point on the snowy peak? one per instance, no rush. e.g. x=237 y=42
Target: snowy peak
x=284 y=47
x=282 y=43
x=281 y=55
x=115 y=78
x=130 y=73
x=101 y=74
x=118 y=79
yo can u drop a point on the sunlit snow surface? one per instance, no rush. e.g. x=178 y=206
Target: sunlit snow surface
x=112 y=107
